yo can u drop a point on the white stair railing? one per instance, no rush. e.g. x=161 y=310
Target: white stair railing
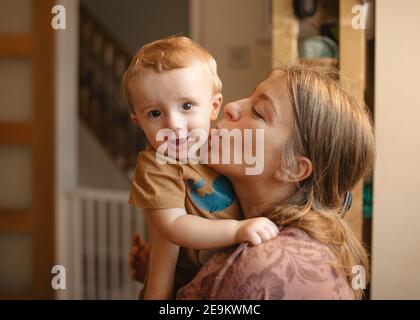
x=102 y=227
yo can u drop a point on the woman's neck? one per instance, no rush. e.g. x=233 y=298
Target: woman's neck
x=256 y=194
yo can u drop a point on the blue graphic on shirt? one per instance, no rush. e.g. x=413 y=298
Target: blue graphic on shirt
x=221 y=198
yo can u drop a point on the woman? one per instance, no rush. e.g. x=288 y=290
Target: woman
x=318 y=144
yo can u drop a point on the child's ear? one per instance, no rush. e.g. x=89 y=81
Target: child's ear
x=217 y=103
x=302 y=170
x=134 y=118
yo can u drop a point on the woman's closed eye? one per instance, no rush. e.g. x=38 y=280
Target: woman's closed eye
x=256 y=114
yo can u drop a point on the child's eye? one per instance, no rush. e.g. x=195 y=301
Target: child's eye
x=154 y=113
x=256 y=114
x=187 y=106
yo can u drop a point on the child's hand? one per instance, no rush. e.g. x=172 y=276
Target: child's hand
x=138 y=258
x=256 y=230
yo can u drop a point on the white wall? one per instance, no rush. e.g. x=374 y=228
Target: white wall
x=396 y=210
x=222 y=26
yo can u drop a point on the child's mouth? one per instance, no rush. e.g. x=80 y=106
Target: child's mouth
x=179 y=142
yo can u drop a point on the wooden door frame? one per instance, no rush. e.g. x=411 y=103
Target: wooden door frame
x=66 y=139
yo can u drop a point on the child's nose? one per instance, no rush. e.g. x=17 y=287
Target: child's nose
x=232 y=112
x=176 y=121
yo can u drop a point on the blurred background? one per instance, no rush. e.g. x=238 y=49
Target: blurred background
x=68 y=148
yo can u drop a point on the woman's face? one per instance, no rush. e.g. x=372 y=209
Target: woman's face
x=268 y=108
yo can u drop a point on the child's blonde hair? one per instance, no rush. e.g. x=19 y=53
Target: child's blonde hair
x=167 y=54
x=334 y=130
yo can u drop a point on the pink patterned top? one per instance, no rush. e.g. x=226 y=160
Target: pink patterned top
x=291 y=266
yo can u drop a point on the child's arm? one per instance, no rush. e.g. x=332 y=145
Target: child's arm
x=199 y=233
x=162 y=263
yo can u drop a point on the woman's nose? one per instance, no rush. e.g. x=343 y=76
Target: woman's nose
x=232 y=111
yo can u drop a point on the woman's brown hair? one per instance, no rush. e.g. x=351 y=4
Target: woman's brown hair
x=333 y=129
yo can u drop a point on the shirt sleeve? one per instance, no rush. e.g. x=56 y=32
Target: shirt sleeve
x=155 y=185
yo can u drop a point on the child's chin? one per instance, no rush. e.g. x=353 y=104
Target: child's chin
x=186 y=151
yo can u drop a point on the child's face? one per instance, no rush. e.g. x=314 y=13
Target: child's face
x=180 y=100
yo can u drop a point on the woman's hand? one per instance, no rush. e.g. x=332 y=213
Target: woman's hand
x=138 y=258
x=256 y=230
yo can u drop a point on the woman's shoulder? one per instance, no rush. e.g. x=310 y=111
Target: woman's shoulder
x=291 y=243
x=291 y=266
